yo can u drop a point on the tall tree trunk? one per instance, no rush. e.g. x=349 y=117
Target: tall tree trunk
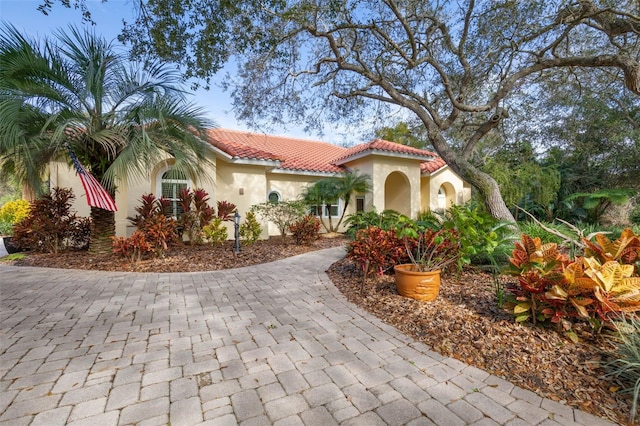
x=103 y=227
x=484 y=183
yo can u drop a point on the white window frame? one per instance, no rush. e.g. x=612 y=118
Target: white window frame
x=160 y=181
x=338 y=206
x=277 y=193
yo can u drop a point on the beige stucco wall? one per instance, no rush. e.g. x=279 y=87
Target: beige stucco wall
x=379 y=169
x=457 y=191
x=249 y=184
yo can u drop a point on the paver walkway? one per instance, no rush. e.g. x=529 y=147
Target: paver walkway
x=267 y=344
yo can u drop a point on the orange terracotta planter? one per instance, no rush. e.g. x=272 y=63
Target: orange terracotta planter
x=423 y=286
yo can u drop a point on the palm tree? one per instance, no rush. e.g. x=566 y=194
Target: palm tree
x=77 y=91
x=351 y=183
x=329 y=190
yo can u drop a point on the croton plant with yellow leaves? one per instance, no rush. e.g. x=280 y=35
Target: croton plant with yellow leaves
x=597 y=287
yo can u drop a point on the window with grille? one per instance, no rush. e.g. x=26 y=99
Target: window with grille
x=172 y=183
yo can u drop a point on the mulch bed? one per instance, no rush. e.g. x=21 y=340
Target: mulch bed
x=464 y=322
x=183 y=258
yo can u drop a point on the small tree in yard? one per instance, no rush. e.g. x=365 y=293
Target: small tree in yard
x=283 y=214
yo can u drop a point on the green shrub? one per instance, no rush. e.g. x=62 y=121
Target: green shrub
x=283 y=214
x=250 y=229
x=536 y=231
x=483 y=239
x=305 y=231
x=51 y=226
x=387 y=219
x=215 y=232
x=626 y=366
x=634 y=216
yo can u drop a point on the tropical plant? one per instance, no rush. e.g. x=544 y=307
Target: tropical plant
x=386 y=219
x=283 y=214
x=78 y=92
x=376 y=250
x=196 y=213
x=133 y=247
x=305 y=230
x=51 y=225
x=226 y=210
x=250 y=229
x=326 y=192
x=215 y=232
x=153 y=220
x=538 y=268
x=429 y=248
x=625 y=249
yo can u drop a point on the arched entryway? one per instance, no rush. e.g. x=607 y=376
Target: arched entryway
x=397 y=193
x=446 y=196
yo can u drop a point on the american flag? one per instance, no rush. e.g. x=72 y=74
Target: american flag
x=97 y=196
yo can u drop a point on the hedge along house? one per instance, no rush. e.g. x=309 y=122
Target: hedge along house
x=251 y=168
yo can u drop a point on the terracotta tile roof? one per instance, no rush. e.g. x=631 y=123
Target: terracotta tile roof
x=293 y=154
x=384 y=146
x=431 y=166
x=309 y=155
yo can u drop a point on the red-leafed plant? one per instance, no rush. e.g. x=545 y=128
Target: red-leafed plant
x=538 y=268
x=376 y=249
x=196 y=213
x=160 y=230
x=305 y=231
x=624 y=250
x=51 y=225
x=226 y=210
x=131 y=248
x=552 y=287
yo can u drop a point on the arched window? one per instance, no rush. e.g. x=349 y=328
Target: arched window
x=171 y=184
x=274 y=197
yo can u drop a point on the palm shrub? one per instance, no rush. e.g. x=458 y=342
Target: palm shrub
x=77 y=90
x=51 y=225
x=626 y=365
x=386 y=219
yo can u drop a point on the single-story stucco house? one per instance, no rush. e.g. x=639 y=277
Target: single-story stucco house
x=251 y=168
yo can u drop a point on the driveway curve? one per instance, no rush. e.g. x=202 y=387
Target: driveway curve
x=266 y=344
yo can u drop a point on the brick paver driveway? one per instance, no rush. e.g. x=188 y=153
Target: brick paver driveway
x=268 y=344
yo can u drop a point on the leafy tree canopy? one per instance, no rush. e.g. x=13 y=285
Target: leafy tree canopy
x=460 y=67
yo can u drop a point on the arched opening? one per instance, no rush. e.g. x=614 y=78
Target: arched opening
x=397 y=193
x=446 y=197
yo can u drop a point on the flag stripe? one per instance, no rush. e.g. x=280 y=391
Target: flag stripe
x=97 y=196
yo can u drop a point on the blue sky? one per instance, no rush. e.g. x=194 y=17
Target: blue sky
x=108 y=18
